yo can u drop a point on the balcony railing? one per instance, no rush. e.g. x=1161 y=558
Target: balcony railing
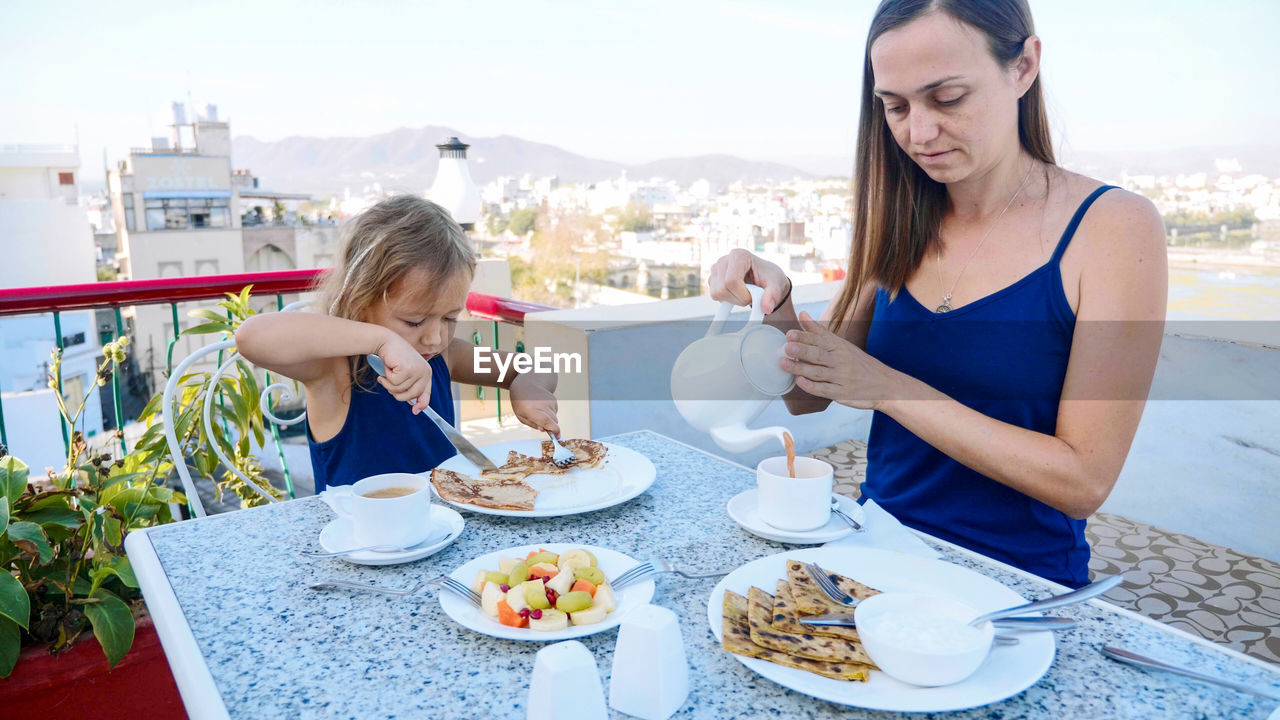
x=115 y=296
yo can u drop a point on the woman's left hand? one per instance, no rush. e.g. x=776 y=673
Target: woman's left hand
x=827 y=365
x=534 y=404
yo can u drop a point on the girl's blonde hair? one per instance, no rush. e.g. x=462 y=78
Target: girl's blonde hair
x=383 y=244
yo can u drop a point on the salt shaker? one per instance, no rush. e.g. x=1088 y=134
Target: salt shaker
x=565 y=684
x=650 y=677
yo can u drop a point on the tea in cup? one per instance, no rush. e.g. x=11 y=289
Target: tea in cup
x=799 y=503
x=391 y=509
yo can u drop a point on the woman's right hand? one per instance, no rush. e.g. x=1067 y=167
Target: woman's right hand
x=731 y=274
x=408 y=375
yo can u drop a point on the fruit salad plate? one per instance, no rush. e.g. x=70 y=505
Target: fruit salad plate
x=608 y=563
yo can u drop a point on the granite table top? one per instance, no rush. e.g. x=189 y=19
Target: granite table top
x=276 y=649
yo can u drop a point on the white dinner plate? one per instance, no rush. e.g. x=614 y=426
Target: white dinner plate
x=610 y=562
x=623 y=475
x=743 y=509
x=1007 y=671
x=337 y=535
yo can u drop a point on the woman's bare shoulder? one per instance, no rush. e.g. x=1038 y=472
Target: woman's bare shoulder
x=1117 y=220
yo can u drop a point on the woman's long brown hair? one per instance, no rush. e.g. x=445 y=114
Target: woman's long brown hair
x=897 y=208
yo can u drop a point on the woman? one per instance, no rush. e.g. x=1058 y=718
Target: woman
x=1001 y=315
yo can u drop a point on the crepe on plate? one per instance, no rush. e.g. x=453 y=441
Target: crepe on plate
x=505 y=488
x=736 y=638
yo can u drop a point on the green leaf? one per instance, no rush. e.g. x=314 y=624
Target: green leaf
x=207 y=329
x=31 y=539
x=10 y=646
x=112 y=625
x=62 y=517
x=13 y=478
x=152 y=406
x=124 y=570
x=4 y=514
x=14 y=603
x=206 y=314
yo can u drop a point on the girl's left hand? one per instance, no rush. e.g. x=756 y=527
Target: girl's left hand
x=827 y=365
x=534 y=404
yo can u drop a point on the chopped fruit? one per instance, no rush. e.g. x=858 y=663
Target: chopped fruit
x=477 y=585
x=550 y=621
x=516 y=599
x=542 y=556
x=573 y=602
x=590 y=574
x=561 y=583
x=535 y=614
x=525 y=612
x=604 y=598
x=506 y=565
x=504 y=587
x=543 y=569
x=518 y=574
x=576 y=559
x=490 y=596
x=552 y=596
x=535 y=594
x=510 y=617
x=588 y=616
x=496 y=577
x=584 y=586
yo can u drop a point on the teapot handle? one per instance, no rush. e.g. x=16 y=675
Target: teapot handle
x=726 y=307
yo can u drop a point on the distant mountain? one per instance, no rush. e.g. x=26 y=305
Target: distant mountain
x=406 y=159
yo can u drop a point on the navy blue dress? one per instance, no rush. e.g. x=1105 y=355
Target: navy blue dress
x=1005 y=356
x=382 y=435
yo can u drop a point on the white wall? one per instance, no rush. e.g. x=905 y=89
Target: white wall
x=45 y=242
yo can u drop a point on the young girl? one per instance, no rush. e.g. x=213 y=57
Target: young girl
x=1001 y=315
x=402 y=281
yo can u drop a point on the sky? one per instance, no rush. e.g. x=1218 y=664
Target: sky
x=627 y=81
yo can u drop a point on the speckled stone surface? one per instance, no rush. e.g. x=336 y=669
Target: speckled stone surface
x=276 y=649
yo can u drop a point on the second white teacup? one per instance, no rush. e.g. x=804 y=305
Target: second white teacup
x=390 y=509
x=799 y=503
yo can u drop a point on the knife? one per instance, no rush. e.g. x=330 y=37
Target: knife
x=1014 y=623
x=463 y=445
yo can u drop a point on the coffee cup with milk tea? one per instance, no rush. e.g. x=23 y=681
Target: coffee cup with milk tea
x=390 y=509
x=799 y=503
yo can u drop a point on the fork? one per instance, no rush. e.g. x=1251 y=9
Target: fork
x=563 y=456
x=444 y=581
x=828 y=586
x=654 y=567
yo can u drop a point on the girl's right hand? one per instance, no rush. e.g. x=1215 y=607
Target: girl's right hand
x=731 y=274
x=408 y=375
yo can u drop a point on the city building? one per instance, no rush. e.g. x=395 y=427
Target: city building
x=46 y=240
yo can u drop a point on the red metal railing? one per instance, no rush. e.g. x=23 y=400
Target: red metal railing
x=89 y=296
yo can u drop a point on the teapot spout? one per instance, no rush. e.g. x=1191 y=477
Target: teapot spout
x=740 y=438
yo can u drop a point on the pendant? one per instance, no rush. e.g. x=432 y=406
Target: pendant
x=945 y=306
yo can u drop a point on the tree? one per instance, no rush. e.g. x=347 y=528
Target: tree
x=496 y=223
x=557 y=244
x=635 y=217
x=522 y=221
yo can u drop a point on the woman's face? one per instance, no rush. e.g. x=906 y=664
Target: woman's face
x=949 y=104
x=423 y=312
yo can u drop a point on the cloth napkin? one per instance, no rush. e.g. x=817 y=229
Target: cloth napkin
x=884 y=532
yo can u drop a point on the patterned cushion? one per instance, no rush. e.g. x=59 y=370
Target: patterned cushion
x=1207 y=590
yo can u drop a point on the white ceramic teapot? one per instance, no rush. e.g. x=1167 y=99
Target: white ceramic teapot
x=723 y=381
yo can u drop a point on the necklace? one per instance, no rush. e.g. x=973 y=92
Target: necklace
x=946 y=296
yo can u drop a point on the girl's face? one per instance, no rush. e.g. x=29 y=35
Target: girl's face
x=949 y=104
x=422 y=312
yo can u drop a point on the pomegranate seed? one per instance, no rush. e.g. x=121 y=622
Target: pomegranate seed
x=545 y=579
x=536 y=614
x=524 y=612
x=504 y=588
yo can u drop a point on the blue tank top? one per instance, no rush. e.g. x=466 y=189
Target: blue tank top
x=1005 y=356
x=382 y=435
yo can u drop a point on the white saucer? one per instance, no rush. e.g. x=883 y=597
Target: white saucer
x=742 y=508
x=337 y=535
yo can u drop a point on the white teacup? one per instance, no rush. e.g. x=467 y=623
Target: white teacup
x=381 y=517
x=799 y=503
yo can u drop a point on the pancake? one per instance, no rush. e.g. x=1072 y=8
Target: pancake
x=590 y=454
x=806 y=644
x=492 y=492
x=736 y=638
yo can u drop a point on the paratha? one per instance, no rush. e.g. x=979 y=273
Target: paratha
x=736 y=638
x=806 y=644
x=810 y=600
x=787 y=619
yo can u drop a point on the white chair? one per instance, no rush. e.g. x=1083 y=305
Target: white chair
x=168 y=410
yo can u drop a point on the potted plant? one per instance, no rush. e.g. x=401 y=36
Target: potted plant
x=62 y=537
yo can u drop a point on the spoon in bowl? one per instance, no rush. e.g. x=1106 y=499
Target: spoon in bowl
x=1075 y=596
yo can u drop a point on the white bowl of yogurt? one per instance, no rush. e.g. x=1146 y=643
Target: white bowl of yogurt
x=922 y=639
